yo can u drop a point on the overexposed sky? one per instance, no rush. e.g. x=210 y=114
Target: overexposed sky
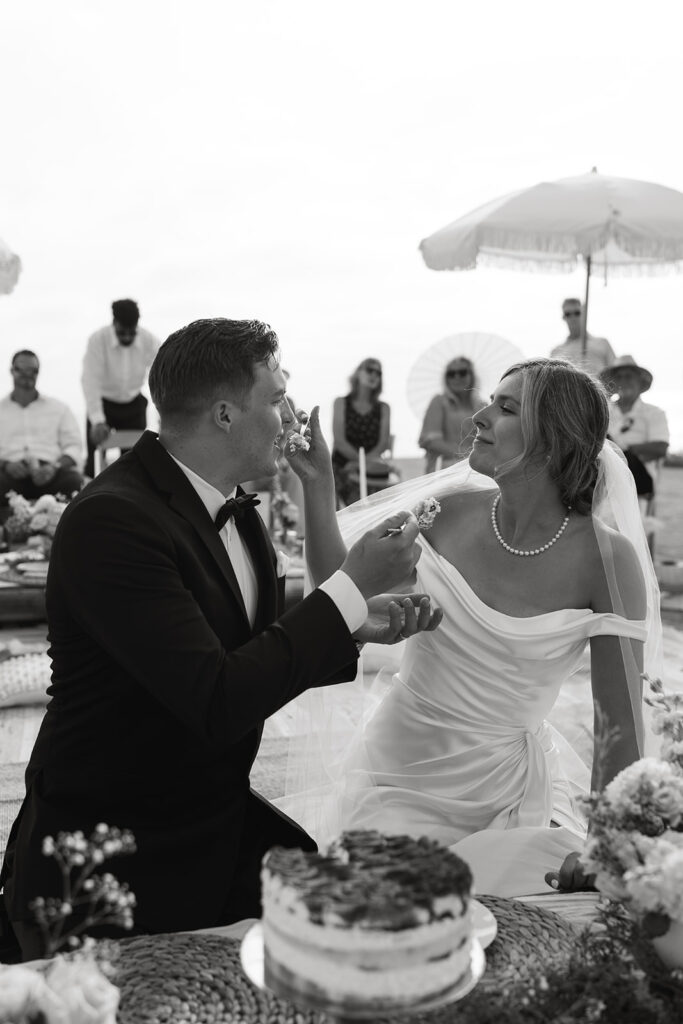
x=283 y=160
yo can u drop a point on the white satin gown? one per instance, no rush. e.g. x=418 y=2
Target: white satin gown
x=459 y=749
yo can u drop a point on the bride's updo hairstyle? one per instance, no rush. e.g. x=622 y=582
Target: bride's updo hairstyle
x=565 y=418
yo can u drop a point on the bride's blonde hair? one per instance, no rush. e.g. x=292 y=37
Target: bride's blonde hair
x=565 y=418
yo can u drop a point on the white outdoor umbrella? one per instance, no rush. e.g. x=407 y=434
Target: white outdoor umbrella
x=614 y=224
x=489 y=354
x=10 y=265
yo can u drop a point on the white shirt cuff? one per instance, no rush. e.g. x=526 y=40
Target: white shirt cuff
x=348 y=599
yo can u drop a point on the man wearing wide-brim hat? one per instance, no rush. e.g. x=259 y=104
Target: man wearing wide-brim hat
x=640 y=429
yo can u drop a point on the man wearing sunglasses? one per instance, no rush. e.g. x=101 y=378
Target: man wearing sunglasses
x=599 y=352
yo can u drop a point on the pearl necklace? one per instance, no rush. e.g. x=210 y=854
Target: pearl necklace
x=518 y=551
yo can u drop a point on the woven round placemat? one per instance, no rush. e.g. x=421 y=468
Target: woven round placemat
x=174 y=979
x=171 y=979
x=525 y=933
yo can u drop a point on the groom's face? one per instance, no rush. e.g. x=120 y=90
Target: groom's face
x=258 y=425
x=499 y=428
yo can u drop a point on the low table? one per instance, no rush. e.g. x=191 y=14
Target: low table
x=22 y=604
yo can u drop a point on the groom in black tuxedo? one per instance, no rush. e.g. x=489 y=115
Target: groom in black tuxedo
x=170 y=647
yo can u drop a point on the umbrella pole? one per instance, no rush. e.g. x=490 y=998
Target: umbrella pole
x=584 y=319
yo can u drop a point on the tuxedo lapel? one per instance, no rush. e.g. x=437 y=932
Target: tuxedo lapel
x=182 y=497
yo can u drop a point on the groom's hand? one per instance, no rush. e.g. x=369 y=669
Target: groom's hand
x=395 y=617
x=382 y=561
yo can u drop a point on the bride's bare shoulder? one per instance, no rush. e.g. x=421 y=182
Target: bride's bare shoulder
x=616 y=569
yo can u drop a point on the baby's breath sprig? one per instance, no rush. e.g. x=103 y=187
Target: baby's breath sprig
x=606 y=736
x=91 y=899
x=667 y=720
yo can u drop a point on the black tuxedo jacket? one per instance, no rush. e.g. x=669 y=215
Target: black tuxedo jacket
x=159 y=691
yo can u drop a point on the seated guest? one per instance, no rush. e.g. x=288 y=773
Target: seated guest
x=115 y=367
x=40 y=443
x=361 y=420
x=595 y=355
x=638 y=428
x=447 y=430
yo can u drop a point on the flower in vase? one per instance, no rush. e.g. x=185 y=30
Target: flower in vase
x=87 y=996
x=647 y=796
x=656 y=887
x=22 y=993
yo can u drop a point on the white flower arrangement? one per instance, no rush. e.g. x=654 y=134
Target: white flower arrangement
x=635 y=835
x=656 y=886
x=647 y=795
x=33 y=518
x=69 y=992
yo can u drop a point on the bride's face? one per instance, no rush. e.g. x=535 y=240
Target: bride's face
x=499 y=428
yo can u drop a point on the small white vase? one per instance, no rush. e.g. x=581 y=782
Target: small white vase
x=669 y=946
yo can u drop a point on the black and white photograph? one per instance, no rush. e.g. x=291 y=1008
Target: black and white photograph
x=341 y=512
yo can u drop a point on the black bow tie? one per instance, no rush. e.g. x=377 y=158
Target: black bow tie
x=235 y=507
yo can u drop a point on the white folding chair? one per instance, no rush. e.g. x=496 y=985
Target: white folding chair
x=118 y=439
x=648 y=505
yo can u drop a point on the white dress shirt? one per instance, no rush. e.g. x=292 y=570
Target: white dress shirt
x=340 y=588
x=45 y=429
x=643 y=422
x=598 y=356
x=115 y=371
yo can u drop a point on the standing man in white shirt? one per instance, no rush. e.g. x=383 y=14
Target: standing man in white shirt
x=638 y=428
x=40 y=442
x=115 y=368
x=599 y=352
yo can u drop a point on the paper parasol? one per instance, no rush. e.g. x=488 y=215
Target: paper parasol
x=490 y=355
x=10 y=265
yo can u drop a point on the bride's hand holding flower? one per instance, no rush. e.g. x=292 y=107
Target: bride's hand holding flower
x=305 y=447
x=396 y=617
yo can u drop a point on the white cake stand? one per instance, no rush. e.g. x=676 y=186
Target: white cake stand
x=252 y=955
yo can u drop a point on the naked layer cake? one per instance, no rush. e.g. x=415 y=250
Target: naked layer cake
x=376 y=919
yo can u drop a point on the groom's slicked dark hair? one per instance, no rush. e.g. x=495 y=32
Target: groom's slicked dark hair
x=199 y=360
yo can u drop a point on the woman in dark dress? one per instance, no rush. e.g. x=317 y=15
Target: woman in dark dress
x=361 y=420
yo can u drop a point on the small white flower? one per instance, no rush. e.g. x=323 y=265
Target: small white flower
x=21 y=991
x=657 y=885
x=297 y=443
x=426 y=512
x=89 y=998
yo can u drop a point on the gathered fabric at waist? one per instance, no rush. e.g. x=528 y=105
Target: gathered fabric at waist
x=416 y=765
x=473 y=707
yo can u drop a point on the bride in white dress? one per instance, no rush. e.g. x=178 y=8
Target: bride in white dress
x=534 y=555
